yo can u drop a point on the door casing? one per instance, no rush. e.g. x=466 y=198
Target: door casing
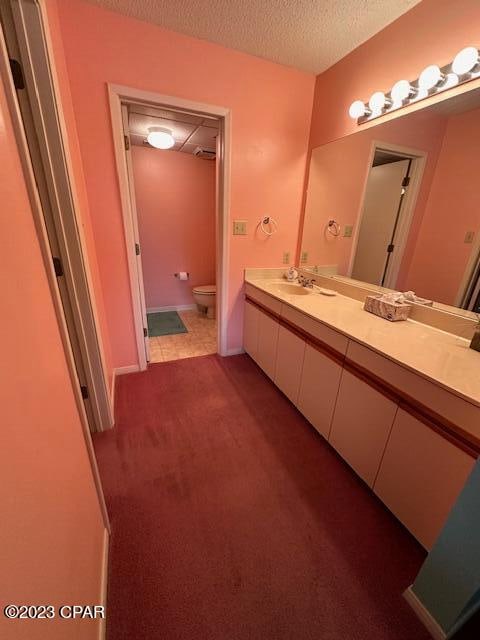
x=119 y=95
x=419 y=159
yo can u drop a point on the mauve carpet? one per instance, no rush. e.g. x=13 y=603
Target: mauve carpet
x=232 y=519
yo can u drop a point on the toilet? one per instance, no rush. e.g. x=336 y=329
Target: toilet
x=204 y=296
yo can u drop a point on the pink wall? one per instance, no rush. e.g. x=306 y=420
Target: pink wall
x=337 y=177
x=453 y=208
x=175 y=195
x=51 y=526
x=432 y=32
x=79 y=180
x=270 y=106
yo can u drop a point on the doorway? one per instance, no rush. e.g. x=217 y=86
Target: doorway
x=201 y=135
x=171 y=161
x=391 y=190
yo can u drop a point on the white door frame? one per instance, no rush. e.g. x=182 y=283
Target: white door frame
x=136 y=235
x=466 y=284
x=119 y=94
x=43 y=240
x=43 y=124
x=419 y=159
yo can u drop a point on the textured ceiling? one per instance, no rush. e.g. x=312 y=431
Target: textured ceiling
x=307 y=34
x=190 y=131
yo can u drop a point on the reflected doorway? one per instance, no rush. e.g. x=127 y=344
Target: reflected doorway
x=386 y=215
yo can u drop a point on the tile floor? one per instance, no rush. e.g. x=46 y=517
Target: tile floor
x=200 y=340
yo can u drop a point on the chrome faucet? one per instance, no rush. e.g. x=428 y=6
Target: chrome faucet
x=305 y=282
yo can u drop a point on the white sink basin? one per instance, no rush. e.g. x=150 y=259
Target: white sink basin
x=292 y=289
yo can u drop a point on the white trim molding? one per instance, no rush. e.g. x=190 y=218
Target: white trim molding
x=424 y=615
x=43 y=240
x=419 y=159
x=178 y=307
x=102 y=630
x=235 y=352
x=121 y=371
x=120 y=95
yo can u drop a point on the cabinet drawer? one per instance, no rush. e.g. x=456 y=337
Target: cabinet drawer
x=331 y=338
x=318 y=389
x=421 y=476
x=361 y=425
x=288 y=370
x=263 y=298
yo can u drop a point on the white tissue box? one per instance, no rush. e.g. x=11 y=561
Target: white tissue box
x=392 y=311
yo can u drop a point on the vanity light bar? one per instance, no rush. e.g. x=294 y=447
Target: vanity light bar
x=433 y=79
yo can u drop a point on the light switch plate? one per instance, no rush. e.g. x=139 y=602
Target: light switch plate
x=286 y=257
x=469 y=237
x=304 y=257
x=239 y=227
x=347 y=231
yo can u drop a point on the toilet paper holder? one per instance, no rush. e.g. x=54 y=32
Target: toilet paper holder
x=177 y=275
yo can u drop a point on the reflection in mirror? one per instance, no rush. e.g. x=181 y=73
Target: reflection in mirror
x=405 y=197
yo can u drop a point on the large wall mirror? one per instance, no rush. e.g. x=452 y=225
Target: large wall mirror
x=398 y=205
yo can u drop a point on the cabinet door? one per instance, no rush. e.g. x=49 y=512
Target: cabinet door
x=421 y=476
x=361 y=425
x=267 y=343
x=318 y=389
x=250 y=329
x=288 y=370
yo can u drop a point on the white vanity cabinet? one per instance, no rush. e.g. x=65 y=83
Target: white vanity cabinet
x=318 y=388
x=267 y=343
x=405 y=436
x=361 y=425
x=250 y=329
x=289 y=364
x=421 y=475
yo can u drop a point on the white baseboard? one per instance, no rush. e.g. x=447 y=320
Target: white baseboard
x=424 y=615
x=103 y=585
x=235 y=352
x=121 y=371
x=178 y=307
x=112 y=393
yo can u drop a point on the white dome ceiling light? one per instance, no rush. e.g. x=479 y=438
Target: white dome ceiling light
x=432 y=80
x=160 y=138
x=465 y=61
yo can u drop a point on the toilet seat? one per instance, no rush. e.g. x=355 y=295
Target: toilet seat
x=205 y=289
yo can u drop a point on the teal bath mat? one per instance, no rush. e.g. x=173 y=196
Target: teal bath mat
x=164 y=323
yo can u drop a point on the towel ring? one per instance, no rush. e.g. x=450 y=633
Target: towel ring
x=271 y=222
x=333 y=228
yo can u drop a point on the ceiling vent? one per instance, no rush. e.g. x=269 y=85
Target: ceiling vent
x=205 y=154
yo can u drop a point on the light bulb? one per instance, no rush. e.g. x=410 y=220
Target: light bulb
x=430 y=77
x=160 y=138
x=465 y=61
x=402 y=90
x=378 y=101
x=357 y=109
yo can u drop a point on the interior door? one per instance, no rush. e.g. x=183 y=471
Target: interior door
x=382 y=207
x=133 y=206
x=22 y=27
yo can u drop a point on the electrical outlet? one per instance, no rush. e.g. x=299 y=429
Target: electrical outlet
x=347 y=231
x=239 y=227
x=286 y=257
x=304 y=257
x=469 y=237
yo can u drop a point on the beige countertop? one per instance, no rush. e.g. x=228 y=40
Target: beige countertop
x=441 y=357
